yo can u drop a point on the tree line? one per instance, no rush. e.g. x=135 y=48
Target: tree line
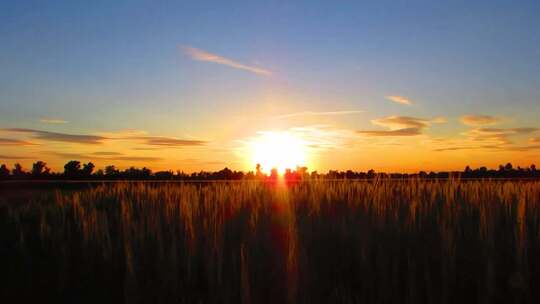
x=75 y=170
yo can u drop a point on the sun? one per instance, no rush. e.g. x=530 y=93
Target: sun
x=280 y=150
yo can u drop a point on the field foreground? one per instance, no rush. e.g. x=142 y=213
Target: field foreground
x=381 y=241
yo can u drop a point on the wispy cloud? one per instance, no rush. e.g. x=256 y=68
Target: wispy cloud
x=201 y=55
x=312 y=113
x=93 y=156
x=534 y=140
x=2 y=157
x=14 y=142
x=170 y=141
x=480 y=120
x=60 y=137
x=105 y=153
x=53 y=121
x=400 y=132
x=497 y=135
x=401 y=126
x=130 y=136
x=400 y=99
x=488 y=139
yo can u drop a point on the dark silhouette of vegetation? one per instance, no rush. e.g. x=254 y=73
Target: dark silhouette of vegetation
x=40 y=169
x=75 y=170
x=4 y=172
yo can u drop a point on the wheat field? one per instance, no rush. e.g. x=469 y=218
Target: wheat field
x=380 y=241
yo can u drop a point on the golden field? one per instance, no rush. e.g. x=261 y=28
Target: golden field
x=380 y=241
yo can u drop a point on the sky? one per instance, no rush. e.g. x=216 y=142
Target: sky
x=397 y=86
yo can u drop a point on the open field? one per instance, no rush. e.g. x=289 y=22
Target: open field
x=381 y=241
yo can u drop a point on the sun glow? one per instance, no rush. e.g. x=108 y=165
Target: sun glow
x=280 y=150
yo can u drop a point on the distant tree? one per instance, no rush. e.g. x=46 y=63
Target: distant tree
x=72 y=169
x=88 y=169
x=145 y=172
x=164 y=175
x=100 y=173
x=533 y=168
x=40 y=169
x=371 y=173
x=302 y=172
x=508 y=167
x=258 y=171
x=4 y=172
x=273 y=174
x=18 y=171
x=111 y=171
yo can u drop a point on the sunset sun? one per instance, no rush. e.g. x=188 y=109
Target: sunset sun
x=280 y=150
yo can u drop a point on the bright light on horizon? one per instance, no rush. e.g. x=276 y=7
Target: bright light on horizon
x=280 y=150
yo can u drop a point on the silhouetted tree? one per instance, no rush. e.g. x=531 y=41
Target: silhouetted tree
x=111 y=171
x=39 y=169
x=72 y=169
x=258 y=171
x=273 y=174
x=100 y=173
x=88 y=169
x=4 y=172
x=18 y=171
x=164 y=175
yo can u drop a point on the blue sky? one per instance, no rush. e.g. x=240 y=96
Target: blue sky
x=114 y=66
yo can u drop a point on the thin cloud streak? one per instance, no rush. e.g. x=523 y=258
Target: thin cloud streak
x=53 y=121
x=14 y=142
x=170 y=141
x=14 y=157
x=201 y=55
x=400 y=99
x=60 y=137
x=102 y=158
x=400 y=132
x=480 y=120
x=401 y=126
x=312 y=113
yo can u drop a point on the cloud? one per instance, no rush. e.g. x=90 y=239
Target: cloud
x=170 y=141
x=201 y=55
x=491 y=148
x=487 y=139
x=400 y=99
x=14 y=157
x=53 y=121
x=401 y=126
x=534 y=140
x=107 y=153
x=480 y=120
x=93 y=156
x=497 y=135
x=60 y=137
x=311 y=113
x=14 y=142
x=400 y=132
x=135 y=158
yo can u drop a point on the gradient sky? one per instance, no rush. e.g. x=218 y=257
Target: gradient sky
x=389 y=85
